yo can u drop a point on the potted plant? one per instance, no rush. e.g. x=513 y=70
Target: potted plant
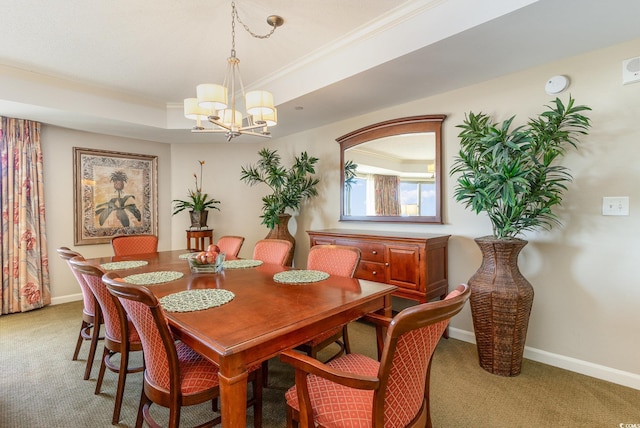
x=514 y=177
x=197 y=204
x=289 y=188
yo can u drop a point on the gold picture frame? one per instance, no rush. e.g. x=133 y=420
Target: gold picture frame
x=115 y=194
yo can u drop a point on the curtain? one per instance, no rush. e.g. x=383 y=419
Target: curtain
x=387 y=190
x=25 y=263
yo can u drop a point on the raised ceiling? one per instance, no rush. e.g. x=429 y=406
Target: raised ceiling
x=122 y=67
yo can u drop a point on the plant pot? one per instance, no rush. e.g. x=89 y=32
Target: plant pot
x=501 y=300
x=281 y=231
x=199 y=219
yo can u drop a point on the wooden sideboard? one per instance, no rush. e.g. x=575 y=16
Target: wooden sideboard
x=415 y=262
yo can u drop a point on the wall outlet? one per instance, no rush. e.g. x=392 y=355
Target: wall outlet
x=615 y=205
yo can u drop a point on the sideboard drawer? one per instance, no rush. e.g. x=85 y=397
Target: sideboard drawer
x=371 y=271
x=415 y=262
x=371 y=251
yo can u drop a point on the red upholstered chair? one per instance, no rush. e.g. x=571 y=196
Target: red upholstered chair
x=338 y=260
x=126 y=245
x=120 y=335
x=272 y=251
x=357 y=391
x=87 y=330
x=174 y=375
x=230 y=245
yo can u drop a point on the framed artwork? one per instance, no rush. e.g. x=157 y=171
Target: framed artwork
x=115 y=194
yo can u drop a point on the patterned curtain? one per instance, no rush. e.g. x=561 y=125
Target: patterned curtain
x=25 y=264
x=387 y=188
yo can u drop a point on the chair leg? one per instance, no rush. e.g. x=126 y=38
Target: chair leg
x=345 y=339
x=174 y=416
x=95 y=337
x=122 y=379
x=291 y=420
x=83 y=326
x=103 y=365
x=143 y=400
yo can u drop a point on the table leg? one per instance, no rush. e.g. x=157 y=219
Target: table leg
x=233 y=399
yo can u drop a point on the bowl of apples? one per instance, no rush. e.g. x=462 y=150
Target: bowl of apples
x=209 y=261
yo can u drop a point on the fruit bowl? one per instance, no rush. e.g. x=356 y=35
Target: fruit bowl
x=199 y=266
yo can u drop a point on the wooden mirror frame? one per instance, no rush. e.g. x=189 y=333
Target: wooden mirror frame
x=404 y=125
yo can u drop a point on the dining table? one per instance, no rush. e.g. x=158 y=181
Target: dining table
x=264 y=317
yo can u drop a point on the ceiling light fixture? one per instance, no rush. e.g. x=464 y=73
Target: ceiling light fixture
x=218 y=105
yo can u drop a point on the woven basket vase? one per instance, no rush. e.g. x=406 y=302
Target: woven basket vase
x=281 y=231
x=501 y=300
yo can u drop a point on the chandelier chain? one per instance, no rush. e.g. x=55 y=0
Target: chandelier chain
x=235 y=14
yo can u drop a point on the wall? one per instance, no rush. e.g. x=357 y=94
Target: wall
x=57 y=147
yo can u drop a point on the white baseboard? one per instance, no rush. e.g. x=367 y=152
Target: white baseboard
x=66 y=299
x=608 y=374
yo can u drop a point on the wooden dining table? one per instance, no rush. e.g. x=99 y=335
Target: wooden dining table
x=264 y=318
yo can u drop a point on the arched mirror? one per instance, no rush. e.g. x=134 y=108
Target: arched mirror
x=391 y=171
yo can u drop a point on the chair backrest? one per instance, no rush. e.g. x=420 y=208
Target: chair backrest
x=272 y=251
x=146 y=314
x=93 y=278
x=339 y=260
x=405 y=364
x=126 y=245
x=87 y=296
x=230 y=245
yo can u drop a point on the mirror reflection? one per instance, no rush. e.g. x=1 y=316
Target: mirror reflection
x=400 y=167
x=391 y=171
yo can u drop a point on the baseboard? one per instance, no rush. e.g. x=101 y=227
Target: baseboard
x=66 y=299
x=608 y=374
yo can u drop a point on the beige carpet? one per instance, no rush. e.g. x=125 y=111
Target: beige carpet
x=41 y=387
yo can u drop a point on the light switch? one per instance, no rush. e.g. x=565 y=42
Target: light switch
x=615 y=205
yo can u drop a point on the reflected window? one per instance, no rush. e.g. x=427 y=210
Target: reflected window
x=417 y=197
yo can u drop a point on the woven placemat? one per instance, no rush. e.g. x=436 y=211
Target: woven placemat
x=151 y=278
x=196 y=300
x=123 y=265
x=300 y=276
x=241 y=264
x=186 y=255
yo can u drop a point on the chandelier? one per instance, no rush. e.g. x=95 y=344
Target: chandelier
x=218 y=105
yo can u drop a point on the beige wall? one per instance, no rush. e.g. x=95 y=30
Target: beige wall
x=585 y=312
x=57 y=147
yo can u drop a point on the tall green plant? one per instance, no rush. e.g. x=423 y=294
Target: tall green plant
x=513 y=174
x=290 y=187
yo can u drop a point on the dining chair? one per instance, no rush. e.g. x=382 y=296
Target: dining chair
x=90 y=326
x=120 y=336
x=126 y=245
x=355 y=390
x=175 y=375
x=272 y=251
x=338 y=260
x=230 y=245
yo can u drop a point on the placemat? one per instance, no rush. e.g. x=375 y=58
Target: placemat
x=240 y=264
x=186 y=255
x=300 y=276
x=196 y=300
x=123 y=265
x=150 y=278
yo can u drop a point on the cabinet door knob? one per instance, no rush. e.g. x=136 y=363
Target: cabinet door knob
x=386 y=264
x=374 y=252
x=374 y=272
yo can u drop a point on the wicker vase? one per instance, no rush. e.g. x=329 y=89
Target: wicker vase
x=199 y=219
x=281 y=231
x=501 y=300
